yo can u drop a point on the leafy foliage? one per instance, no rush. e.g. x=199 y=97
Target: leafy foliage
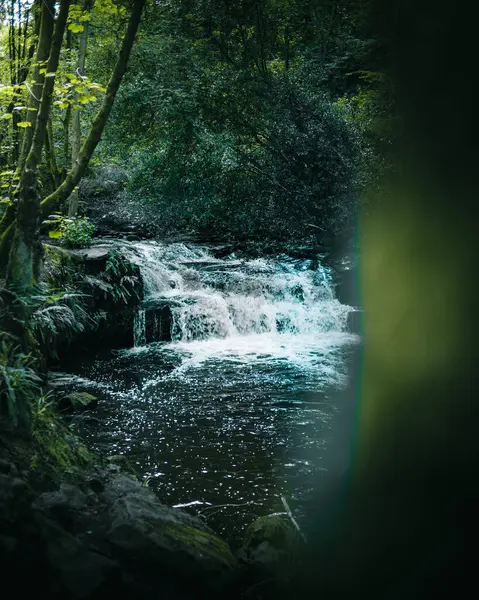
x=74 y=232
x=19 y=383
x=248 y=120
x=57 y=318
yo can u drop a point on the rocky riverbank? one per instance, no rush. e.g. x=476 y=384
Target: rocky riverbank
x=89 y=529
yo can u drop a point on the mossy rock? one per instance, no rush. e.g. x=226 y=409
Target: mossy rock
x=272 y=541
x=163 y=539
x=58 y=455
x=60 y=264
x=122 y=463
x=77 y=401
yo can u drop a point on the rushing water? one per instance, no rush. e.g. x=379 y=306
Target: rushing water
x=236 y=407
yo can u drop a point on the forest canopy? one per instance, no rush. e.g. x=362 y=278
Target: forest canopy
x=253 y=119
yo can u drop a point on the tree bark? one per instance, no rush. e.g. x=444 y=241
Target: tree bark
x=51 y=155
x=25 y=255
x=43 y=51
x=76 y=121
x=53 y=201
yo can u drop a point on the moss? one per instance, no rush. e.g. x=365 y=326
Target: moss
x=61 y=266
x=58 y=453
x=202 y=543
x=78 y=401
x=273 y=539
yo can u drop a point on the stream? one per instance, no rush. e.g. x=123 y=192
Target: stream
x=229 y=399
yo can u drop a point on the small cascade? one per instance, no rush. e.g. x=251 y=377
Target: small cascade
x=139 y=338
x=192 y=296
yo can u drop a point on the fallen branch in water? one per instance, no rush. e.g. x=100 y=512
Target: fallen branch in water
x=293 y=520
x=194 y=503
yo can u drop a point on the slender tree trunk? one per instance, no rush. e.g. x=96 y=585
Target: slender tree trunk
x=25 y=254
x=44 y=27
x=76 y=121
x=51 y=156
x=66 y=142
x=78 y=169
x=43 y=50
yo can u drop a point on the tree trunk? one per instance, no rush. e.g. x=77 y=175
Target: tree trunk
x=53 y=201
x=76 y=122
x=45 y=31
x=25 y=254
x=43 y=50
x=51 y=156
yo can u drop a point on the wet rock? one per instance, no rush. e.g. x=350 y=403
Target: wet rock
x=67 y=495
x=94 y=259
x=77 y=401
x=161 y=539
x=355 y=320
x=122 y=463
x=82 y=572
x=271 y=541
x=159 y=318
x=8 y=468
x=347 y=285
x=15 y=499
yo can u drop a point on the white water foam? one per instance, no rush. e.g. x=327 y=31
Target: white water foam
x=240 y=310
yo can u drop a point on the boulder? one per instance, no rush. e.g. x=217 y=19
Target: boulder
x=159 y=320
x=95 y=258
x=63 y=505
x=163 y=541
x=272 y=542
x=77 y=401
x=15 y=499
x=346 y=282
x=81 y=571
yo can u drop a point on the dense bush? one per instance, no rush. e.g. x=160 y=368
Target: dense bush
x=77 y=232
x=224 y=134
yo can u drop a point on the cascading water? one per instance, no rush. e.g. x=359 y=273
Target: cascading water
x=229 y=398
x=139 y=338
x=204 y=298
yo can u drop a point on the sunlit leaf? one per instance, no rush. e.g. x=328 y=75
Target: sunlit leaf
x=76 y=27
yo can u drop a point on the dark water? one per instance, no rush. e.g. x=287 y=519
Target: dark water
x=234 y=421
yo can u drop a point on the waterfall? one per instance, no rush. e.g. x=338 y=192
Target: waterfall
x=192 y=296
x=139 y=328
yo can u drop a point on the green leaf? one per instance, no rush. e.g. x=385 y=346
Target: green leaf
x=55 y=234
x=76 y=27
x=24 y=124
x=7 y=116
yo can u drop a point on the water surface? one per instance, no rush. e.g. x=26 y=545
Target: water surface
x=238 y=409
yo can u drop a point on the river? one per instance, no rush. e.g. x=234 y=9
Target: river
x=234 y=406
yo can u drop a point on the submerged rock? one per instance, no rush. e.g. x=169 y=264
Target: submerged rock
x=77 y=401
x=272 y=542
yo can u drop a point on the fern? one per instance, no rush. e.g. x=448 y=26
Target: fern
x=19 y=383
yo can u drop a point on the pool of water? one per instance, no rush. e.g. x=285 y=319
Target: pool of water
x=229 y=421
